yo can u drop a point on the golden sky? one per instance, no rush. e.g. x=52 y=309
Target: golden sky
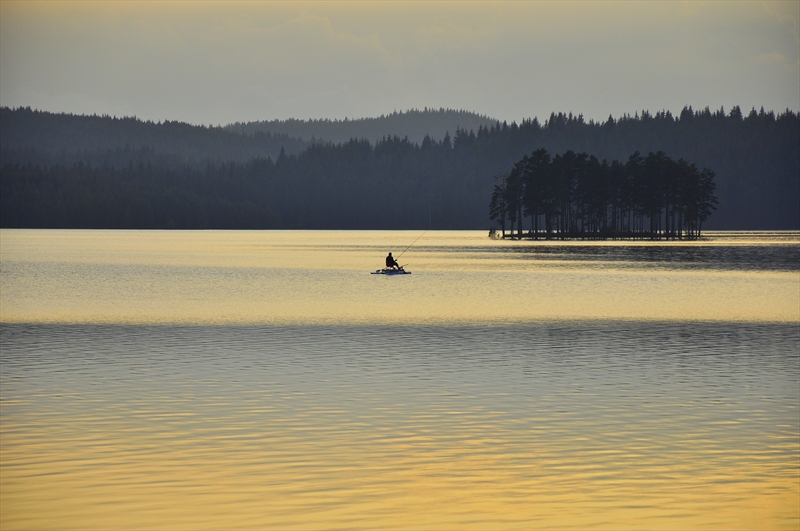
x=221 y=62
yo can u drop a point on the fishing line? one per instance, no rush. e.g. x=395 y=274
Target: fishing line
x=412 y=243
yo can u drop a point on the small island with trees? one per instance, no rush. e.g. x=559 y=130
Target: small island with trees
x=575 y=196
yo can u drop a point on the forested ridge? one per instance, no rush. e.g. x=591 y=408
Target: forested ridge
x=29 y=136
x=57 y=138
x=393 y=183
x=414 y=124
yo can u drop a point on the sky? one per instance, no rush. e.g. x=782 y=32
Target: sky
x=223 y=62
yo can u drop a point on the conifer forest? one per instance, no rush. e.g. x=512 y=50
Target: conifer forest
x=648 y=175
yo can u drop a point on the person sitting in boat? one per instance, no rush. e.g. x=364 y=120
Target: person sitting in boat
x=391 y=262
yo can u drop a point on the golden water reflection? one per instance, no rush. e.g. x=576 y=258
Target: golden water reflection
x=265 y=380
x=574 y=426
x=322 y=277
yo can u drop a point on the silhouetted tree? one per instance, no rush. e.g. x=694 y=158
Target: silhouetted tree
x=581 y=197
x=498 y=207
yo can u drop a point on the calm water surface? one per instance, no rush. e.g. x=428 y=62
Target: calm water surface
x=252 y=380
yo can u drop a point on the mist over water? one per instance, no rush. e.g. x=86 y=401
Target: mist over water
x=212 y=380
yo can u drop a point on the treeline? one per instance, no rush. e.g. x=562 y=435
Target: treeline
x=413 y=124
x=393 y=185
x=574 y=195
x=140 y=196
x=396 y=183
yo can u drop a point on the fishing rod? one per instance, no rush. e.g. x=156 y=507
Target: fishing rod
x=412 y=243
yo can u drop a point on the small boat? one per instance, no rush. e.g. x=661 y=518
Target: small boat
x=390 y=271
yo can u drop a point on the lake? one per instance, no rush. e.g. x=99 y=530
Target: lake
x=264 y=379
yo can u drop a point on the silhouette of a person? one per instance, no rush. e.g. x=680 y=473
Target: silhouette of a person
x=391 y=262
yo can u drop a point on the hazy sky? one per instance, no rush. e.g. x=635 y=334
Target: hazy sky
x=221 y=62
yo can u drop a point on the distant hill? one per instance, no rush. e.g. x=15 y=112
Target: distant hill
x=414 y=124
x=30 y=136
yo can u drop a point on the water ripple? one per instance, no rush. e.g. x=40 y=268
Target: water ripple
x=551 y=425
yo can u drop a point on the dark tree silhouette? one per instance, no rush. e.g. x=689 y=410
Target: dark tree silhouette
x=580 y=197
x=498 y=207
